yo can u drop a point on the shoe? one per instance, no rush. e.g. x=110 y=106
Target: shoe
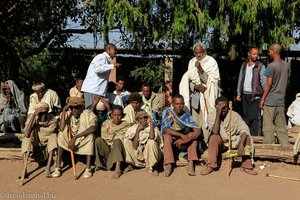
x=207 y=170
x=248 y=171
x=87 y=173
x=168 y=169
x=56 y=173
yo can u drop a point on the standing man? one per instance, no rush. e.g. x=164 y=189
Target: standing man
x=200 y=85
x=250 y=89
x=95 y=82
x=273 y=98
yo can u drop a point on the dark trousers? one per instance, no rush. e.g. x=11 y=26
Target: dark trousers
x=252 y=114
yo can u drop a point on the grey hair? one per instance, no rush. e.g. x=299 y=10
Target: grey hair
x=199 y=44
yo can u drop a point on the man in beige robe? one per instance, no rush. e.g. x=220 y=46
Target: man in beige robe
x=221 y=123
x=200 y=86
x=152 y=102
x=40 y=132
x=81 y=125
x=76 y=90
x=109 y=149
x=143 y=143
x=42 y=94
x=135 y=101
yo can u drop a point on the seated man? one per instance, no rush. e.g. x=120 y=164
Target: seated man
x=41 y=130
x=151 y=102
x=100 y=107
x=143 y=144
x=130 y=110
x=179 y=129
x=109 y=149
x=12 y=108
x=42 y=94
x=82 y=126
x=119 y=96
x=219 y=124
x=76 y=90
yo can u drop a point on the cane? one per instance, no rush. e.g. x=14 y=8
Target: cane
x=229 y=162
x=72 y=155
x=23 y=173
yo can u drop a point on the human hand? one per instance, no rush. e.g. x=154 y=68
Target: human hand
x=117 y=65
x=199 y=67
x=238 y=98
x=201 y=88
x=178 y=143
x=220 y=108
x=261 y=104
x=71 y=143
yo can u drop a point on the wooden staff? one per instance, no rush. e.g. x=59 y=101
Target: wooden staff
x=229 y=162
x=282 y=177
x=23 y=173
x=72 y=155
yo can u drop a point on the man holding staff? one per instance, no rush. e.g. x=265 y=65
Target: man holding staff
x=82 y=126
x=220 y=125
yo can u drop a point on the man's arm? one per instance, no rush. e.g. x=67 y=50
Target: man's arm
x=238 y=96
x=88 y=131
x=266 y=91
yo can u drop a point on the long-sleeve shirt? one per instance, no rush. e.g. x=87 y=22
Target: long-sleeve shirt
x=97 y=75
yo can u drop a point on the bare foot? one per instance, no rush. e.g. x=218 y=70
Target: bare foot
x=116 y=175
x=128 y=169
x=191 y=168
x=248 y=171
x=168 y=170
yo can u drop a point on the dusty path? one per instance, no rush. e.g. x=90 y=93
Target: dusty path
x=140 y=185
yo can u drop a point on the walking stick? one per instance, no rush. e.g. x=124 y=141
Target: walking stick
x=229 y=162
x=23 y=173
x=72 y=155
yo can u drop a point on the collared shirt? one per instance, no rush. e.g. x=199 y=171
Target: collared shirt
x=74 y=92
x=248 y=79
x=118 y=99
x=97 y=75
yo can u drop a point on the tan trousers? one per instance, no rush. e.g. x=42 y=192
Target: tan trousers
x=146 y=156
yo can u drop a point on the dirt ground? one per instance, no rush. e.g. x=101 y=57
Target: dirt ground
x=140 y=185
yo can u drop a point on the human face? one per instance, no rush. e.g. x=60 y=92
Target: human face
x=253 y=54
x=136 y=105
x=143 y=119
x=120 y=85
x=271 y=53
x=146 y=92
x=79 y=84
x=7 y=91
x=76 y=110
x=225 y=108
x=40 y=93
x=112 y=52
x=43 y=116
x=199 y=52
x=178 y=105
x=116 y=116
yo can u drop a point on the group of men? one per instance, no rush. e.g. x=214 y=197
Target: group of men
x=122 y=131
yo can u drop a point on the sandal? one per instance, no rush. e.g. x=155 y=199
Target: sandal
x=207 y=170
x=87 y=173
x=248 y=171
x=56 y=173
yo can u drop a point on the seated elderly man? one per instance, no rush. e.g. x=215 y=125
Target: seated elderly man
x=42 y=94
x=41 y=130
x=179 y=129
x=109 y=149
x=12 y=108
x=219 y=124
x=81 y=125
x=135 y=100
x=143 y=144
